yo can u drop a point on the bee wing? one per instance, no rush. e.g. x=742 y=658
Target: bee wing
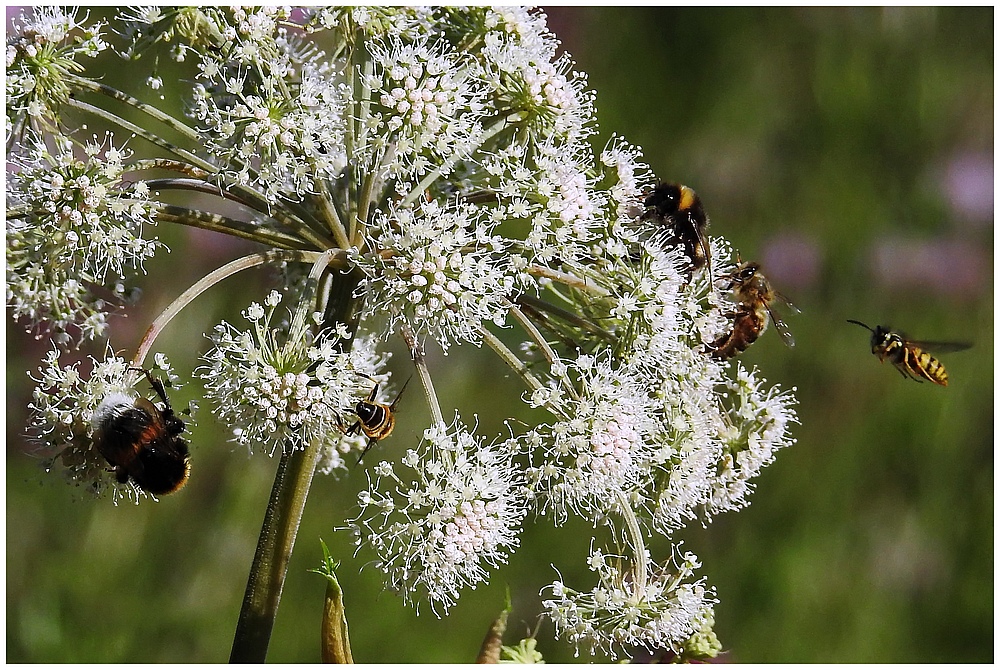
x=781 y=327
x=939 y=347
x=787 y=303
x=155 y=415
x=392 y=407
x=703 y=241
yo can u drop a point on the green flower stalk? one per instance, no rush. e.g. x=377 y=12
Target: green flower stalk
x=426 y=173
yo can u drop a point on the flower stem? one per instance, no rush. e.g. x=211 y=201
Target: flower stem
x=417 y=353
x=641 y=573
x=209 y=280
x=274 y=548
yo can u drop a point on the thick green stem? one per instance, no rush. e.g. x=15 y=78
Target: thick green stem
x=274 y=548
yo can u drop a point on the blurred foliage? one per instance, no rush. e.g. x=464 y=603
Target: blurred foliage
x=827 y=143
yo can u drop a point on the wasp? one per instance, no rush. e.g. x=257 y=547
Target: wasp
x=756 y=297
x=374 y=419
x=141 y=441
x=909 y=356
x=679 y=210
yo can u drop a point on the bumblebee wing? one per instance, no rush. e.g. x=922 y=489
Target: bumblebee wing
x=939 y=347
x=155 y=415
x=781 y=327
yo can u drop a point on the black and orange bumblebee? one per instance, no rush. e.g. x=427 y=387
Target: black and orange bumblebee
x=750 y=318
x=375 y=420
x=910 y=356
x=679 y=211
x=142 y=442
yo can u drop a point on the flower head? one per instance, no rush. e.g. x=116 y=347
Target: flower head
x=663 y=610
x=441 y=527
x=286 y=388
x=603 y=447
x=81 y=227
x=428 y=104
x=271 y=111
x=441 y=270
x=43 y=50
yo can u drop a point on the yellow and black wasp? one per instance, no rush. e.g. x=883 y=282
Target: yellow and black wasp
x=910 y=356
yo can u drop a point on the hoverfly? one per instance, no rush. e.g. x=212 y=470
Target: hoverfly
x=375 y=420
x=909 y=356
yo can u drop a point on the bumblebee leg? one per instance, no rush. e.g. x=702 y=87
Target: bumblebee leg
x=156 y=384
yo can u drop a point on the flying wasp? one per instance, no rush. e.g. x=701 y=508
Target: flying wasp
x=909 y=356
x=141 y=441
x=374 y=419
x=756 y=296
x=679 y=210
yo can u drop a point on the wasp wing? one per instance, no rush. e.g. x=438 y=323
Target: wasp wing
x=939 y=347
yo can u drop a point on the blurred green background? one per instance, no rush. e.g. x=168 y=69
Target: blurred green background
x=848 y=150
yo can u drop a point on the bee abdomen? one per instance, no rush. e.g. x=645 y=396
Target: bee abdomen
x=747 y=327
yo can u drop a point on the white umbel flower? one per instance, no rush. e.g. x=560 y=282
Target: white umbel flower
x=453 y=512
x=279 y=390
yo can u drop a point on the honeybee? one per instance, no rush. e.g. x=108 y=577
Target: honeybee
x=679 y=209
x=142 y=442
x=909 y=356
x=755 y=295
x=374 y=419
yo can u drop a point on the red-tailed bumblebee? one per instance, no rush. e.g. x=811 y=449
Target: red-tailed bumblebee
x=374 y=419
x=755 y=294
x=909 y=356
x=142 y=442
x=679 y=210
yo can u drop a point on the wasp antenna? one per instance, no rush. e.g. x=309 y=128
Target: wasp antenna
x=863 y=325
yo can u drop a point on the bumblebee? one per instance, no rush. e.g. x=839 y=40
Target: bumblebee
x=909 y=356
x=142 y=442
x=374 y=419
x=756 y=296
x=679 y=210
